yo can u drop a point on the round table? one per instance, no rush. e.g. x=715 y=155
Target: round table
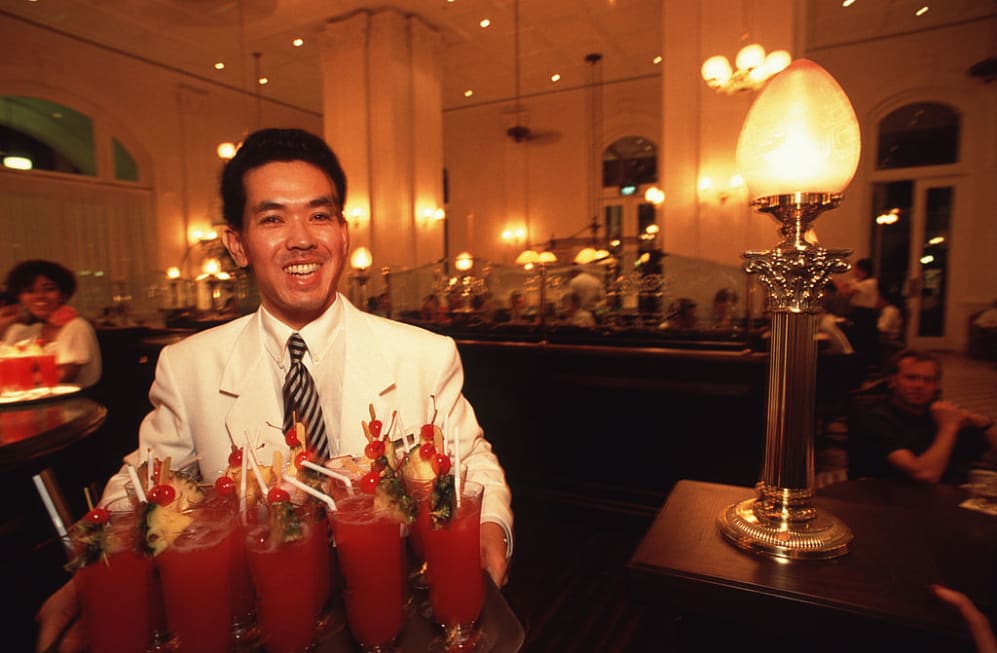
x=32 y=431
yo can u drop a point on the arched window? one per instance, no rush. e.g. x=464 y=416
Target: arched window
x=920 y=134
x=629 y=161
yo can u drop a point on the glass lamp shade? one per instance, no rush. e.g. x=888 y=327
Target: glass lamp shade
x=585 y=255
x=464 y=262
x=547 y=257
x=527 y=257
x=361 y=259
x=716 y=70
x=801 y=135
x=750 y=56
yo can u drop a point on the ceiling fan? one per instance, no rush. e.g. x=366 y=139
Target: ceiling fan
x=519 y=131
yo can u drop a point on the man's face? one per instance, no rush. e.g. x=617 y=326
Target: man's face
x=293 y=238
x=915 y=385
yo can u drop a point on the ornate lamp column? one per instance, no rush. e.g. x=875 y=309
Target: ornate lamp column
x=798 y=149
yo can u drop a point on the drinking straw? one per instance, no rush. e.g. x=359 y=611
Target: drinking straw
x=456 y=463
x=139 y=492
x=242 y=482
x=331 y=474
x=256 y=472
x=307 y=489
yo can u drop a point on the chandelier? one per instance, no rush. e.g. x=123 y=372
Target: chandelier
x=754 y=67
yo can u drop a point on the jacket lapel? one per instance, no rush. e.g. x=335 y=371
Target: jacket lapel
x=366 y=378
x=247 y=378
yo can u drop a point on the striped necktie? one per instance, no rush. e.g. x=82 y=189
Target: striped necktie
x=301 y=399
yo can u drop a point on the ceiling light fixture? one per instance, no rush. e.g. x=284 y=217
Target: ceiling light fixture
x=556 y=77
x=657 y=59
x=754 y=67
x=847 y=3
x=468 y=93
x=485 y=23
x=298 y=42
x=219 y=65
x=922 y=11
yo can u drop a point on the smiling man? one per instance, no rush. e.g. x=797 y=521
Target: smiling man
x=283 y=195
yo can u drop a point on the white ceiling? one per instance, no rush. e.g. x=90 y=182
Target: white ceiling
x=191 y=35
x=555 y=36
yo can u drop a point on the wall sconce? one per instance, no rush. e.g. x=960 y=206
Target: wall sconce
x=800 y=148
x=355 y=216
x=710 y=193
x=514 y=235
x=360 y=261
x=227 y=150
x=754 y=67
x=429 y=216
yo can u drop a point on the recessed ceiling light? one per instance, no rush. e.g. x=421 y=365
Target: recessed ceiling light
x=922 y=11
x=847 y=3
x=657 y=59
x=219 y=65
x=468 y=93
x=263 y=81
x=485 y=22
x=298 y=42
x=556 y=77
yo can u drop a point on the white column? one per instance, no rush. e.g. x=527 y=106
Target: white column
x=383 y=117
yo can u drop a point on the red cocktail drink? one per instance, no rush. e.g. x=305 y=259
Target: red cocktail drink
x=196 y=571
x=116 y=591
x=289 y=587
x=371 y=558
x=456 y=586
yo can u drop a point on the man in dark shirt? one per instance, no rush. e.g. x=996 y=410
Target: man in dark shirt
x=912 y=434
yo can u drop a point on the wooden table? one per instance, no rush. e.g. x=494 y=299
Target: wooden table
x=31 y=432
x=906 y=538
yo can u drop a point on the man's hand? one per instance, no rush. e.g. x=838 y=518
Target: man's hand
x=945 y=413
x=58 y=618
x=493 y=548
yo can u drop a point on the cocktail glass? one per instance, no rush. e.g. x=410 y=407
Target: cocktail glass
x=372 y=561
x=292 y=578
x=421 y=492
x=196 y=573
x=48 y=371
x=456 y=584
x=117 y=591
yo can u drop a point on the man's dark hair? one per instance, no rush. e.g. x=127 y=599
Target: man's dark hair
x=866 y=265
x=270 y=145
x=22 y=276
x=893 y=366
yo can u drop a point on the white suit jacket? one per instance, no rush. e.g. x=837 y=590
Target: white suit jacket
x=216 y=384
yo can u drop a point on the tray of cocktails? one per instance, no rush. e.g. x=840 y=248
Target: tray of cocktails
x=37 y=394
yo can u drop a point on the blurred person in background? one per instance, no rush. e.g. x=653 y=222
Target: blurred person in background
x=43 y=289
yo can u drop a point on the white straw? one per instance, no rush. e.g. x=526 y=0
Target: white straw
x=331 y=474
x=139 y=492
x=242 y=482
x=256 y=471
x=456 y=463
x=321 y=496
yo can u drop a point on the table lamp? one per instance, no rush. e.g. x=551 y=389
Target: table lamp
x=798 y=150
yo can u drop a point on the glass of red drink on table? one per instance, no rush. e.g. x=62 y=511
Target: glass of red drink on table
x=456 y=584
x=196 y=571
x=372 y=560
x=116 y=584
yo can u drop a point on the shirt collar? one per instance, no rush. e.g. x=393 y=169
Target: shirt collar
x=319 y=334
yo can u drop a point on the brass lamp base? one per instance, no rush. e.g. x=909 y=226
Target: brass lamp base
x=821 y=537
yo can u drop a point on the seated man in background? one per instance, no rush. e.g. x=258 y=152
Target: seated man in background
x=912 y=434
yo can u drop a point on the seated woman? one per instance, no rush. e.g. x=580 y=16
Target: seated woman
x=43 y=288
